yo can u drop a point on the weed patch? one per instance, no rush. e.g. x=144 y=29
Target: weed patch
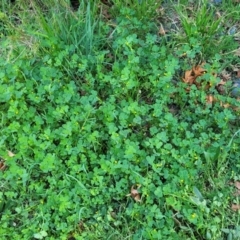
x=109 y=130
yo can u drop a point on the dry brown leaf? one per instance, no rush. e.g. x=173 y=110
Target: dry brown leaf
x=220 y=86
x=210 y=99
x=225 y=105
x=237 y=193
x=135 y=194
x=199 y=70
x=161 y=30
x=190 y=76
x=2 y=165
x=238 y=73
x=222 y=82
x=235 y=207
x=225 y=76
x=237 y=185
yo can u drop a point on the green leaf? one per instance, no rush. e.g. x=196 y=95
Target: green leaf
x=48 y=163
x=40 y=235
x=158 y=192
x=197 y=193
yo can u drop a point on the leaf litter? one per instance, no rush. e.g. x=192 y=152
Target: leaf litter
x=190 y=78
x=135 y=193
x=236 y=184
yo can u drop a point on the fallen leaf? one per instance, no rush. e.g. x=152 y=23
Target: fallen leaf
x=235 y=207
x=225 y=76
x=220 y=87
x=10 y=154
x=210 y=99
x=238 y=73
x=225 y=105
x=222 y=82
x=237 y=193
x=161 y=30
x=135 y=194
x=198 y=70
x=237 y=185
x=190 y=76
x=2 y=165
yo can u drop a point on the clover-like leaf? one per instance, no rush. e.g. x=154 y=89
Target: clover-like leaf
x=40 y=235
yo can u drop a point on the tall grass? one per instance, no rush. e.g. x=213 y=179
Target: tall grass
x=204 y=24
x=51 y=24
x=68 y=27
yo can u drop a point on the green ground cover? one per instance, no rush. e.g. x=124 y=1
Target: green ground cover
x=103 y=135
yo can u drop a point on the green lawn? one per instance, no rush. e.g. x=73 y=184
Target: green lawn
x=119 y=120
